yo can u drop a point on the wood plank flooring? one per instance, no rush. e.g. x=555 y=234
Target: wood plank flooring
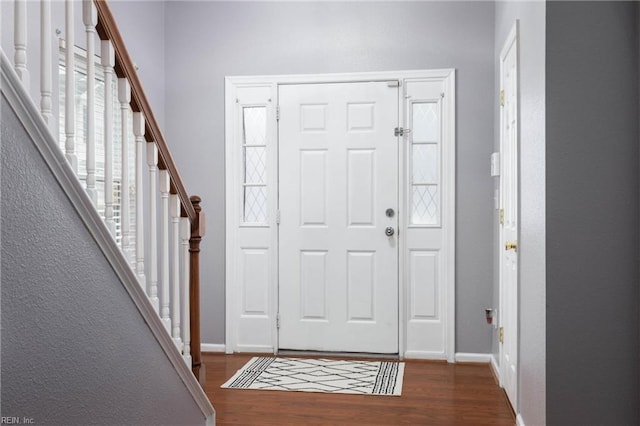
x=434 y=393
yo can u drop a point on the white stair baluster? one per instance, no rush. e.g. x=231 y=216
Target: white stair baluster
x=185 y=226
x=176 y=304
x=46 y=70
x=70 y=89
x=90 y=19
x=164 y=250
x=152 y=278
x=108 y=62
x=20 y=42
x=138 y=131
x=124 y=96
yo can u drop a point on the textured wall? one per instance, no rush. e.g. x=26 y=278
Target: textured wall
x=531 y=244
x=206 y=41
x=75 y=350
x=592 y=213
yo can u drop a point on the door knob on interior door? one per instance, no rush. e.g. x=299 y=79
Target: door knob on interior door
x=389 y=231
x=511 y=245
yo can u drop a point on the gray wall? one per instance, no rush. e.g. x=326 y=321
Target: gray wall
x=206 y=41
x=142 y=25
x=75 y=349
x=531 y=241
x=592 y=213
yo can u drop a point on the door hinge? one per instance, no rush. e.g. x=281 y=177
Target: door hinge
x=278 y=217
x=502 y=98
x=278 y=321
x=278 y=113
x=501 y=337
x=511 y=245
x=394 y=83
x=501 y=216
x=399 y=131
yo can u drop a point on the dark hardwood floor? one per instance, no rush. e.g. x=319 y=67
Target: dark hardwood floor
x=433 y=393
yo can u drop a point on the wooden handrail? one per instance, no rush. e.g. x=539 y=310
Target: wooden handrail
x=108 y=30
x=124 y=68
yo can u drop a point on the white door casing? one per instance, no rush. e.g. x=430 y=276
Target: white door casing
x=425 y=297
x=338 y=272
x=509 y=214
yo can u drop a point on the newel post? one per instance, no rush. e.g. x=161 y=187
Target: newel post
x=197 y=232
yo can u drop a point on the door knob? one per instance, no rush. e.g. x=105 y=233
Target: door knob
x=511 y=245
x=389 y=231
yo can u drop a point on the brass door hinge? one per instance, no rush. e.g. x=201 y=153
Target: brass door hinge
x=501 y=336
x=501 y=216
x=511 y=245
x=502 y=98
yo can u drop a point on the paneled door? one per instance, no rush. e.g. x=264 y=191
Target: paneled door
x=338 y=202
x=508 y=248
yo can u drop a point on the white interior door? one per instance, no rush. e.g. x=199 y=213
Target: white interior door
x=338 y=176
x=509 y=218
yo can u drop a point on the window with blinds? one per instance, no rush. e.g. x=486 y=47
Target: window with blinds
x=80 y=72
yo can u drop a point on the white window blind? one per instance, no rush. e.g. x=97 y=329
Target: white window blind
x=81 y=130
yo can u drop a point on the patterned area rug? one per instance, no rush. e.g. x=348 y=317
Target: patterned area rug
x=320 y=375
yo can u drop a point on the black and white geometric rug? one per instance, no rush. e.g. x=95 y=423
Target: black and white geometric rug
x=320 y=375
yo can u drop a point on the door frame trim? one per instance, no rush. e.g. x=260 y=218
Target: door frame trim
x=232 y=83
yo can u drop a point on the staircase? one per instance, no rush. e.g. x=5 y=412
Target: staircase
x=92 y=123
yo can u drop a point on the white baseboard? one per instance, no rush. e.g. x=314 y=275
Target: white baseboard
x=259 y=349
x=212 y=347
x=471 y=357
x=519 y=421
x=439 y=356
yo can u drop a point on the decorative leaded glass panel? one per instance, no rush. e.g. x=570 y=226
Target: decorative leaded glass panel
x=254 y=124
x=254 y=179
x=425 y=163
x=425 y=202
x=255 y=204
x=426 y=124
x=255 y=164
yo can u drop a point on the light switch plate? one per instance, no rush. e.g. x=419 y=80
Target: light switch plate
x=495 y=164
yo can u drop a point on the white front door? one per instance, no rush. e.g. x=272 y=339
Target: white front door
x=508 y=248
x=338 y=200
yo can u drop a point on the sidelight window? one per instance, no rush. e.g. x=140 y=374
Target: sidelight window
x=254 y=148
x=425 y=163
